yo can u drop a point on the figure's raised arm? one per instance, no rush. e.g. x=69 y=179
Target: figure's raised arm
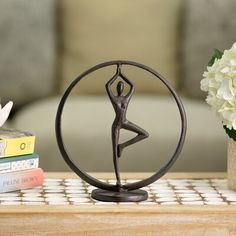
x=131 y=90
x=111 y=81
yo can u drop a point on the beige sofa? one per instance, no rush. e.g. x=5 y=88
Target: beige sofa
x=66 y=37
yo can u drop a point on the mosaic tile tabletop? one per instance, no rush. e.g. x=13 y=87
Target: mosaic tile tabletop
x=162 y=192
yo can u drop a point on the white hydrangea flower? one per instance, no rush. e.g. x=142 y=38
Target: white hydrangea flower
x=220 y=83
x=4 y=112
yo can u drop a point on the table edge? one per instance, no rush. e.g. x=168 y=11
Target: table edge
x=103 y=209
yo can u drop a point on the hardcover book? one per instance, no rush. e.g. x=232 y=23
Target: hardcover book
x=21 y=180
x=15 y=143
x=19 y=163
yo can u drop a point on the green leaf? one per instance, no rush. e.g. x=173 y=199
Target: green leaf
x=231 y=132
x=217 y=55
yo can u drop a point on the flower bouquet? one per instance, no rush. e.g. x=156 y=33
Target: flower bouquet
x=220 y=83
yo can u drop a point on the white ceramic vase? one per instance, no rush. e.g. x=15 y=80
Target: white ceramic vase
x=231 y=165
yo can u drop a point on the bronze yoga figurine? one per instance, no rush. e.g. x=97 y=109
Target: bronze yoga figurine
x=128 y=192
x=120 y=104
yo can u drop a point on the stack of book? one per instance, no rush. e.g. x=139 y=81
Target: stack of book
x=18 y=162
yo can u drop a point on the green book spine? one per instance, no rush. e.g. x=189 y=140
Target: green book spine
x=19 y=163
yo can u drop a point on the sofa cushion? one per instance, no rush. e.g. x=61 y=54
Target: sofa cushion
x=206 y=25
x=98 y=31
x=28 y=55
x=86 y=127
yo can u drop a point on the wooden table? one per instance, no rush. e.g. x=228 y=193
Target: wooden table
x=121 y=219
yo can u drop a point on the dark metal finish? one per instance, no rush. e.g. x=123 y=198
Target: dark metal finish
x=120 y=104
x=123 y=196
x=117 y=148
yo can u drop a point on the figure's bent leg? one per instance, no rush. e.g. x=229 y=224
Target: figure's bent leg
x=115 y=140
x=142 y=134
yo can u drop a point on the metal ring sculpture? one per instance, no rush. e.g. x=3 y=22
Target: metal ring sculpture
x=130 y=186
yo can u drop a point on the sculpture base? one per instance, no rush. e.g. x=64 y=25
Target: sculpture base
x=123 y=196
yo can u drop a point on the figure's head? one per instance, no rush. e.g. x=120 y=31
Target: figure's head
x=120 y=88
